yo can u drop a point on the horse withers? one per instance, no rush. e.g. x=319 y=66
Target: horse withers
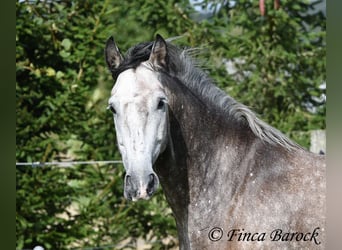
x=232 y=180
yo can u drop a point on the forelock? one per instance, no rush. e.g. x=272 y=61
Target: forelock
x=133 y=58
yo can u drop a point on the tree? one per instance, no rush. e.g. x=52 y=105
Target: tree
x=62 y=87
x=279 y=60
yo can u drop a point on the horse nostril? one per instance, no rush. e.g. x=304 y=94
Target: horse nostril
x=150 y=186
x=151 y=178
x=128 y=180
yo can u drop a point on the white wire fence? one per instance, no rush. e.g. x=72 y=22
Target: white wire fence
x=66 y=164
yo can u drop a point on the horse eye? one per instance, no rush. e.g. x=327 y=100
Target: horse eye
x=161 y=104
x=110 y=107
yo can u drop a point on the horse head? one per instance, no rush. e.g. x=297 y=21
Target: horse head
x=140 y=108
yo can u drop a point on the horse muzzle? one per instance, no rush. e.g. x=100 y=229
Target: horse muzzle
x=140 y=186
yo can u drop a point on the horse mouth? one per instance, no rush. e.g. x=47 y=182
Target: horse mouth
x=138 y=195
x=136 y=198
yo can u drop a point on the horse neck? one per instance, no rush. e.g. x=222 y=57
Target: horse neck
x=202 y=142
x=211 y=137
x=201 y=129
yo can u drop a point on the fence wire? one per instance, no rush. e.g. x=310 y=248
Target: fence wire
x=65 y=164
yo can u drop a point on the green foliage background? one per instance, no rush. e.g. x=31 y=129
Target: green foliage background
x=63 y=85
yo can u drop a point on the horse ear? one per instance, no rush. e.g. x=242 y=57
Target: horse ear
x=158 y=56
x=112 y=54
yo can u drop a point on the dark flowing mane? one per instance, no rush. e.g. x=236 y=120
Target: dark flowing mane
x=183 y=66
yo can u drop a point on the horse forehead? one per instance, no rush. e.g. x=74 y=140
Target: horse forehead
x=135 y=83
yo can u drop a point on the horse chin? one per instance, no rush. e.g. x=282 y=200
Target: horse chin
x=141 y=196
